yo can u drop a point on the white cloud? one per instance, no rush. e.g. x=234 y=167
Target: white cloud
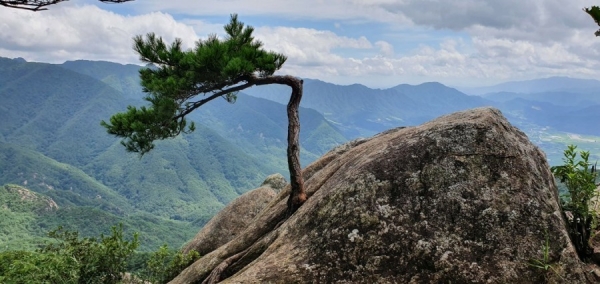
x=309 y=9
x=385 y=48
x=308 y=47
x=370 y=41
x=82 y=32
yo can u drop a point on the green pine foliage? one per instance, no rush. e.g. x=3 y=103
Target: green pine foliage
x=594 y=12
x=215 y=68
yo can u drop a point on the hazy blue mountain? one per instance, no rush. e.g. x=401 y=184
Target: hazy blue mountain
x=551 y=84
x=557 y=98
x=561 y=103
x=360 y=111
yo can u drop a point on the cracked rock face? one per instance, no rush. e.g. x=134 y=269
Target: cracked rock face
x=463 y=198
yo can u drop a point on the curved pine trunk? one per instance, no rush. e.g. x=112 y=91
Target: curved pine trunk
x=297 y=196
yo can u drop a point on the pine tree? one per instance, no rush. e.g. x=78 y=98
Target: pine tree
x=180 y=81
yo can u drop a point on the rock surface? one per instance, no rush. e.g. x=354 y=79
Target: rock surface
x=275 y=181
x=235 y=217
x=43 y=203
x=465 y=198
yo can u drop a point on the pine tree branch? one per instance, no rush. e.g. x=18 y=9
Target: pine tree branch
x=40 y=5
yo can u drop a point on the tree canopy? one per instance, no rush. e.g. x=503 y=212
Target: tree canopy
x=40 y=5
x=594 y=12
x=214 y=68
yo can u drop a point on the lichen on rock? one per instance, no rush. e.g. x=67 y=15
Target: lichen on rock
x=465 y=198
x=275 y=181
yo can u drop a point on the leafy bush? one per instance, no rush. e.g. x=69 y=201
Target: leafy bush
x=164 y=264
x=579 y=176
x=70 y=259
x=36 y=267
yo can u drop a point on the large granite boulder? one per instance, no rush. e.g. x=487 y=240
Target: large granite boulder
x=235 y=217
x=465 y=198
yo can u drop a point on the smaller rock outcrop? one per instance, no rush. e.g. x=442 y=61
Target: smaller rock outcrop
x=275 y=181
x=235 y=217
x=36 y=201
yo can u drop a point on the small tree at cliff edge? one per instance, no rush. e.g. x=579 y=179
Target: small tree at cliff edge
x=215 y=68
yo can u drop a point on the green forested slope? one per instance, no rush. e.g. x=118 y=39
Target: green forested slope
x=66 y=184
x=52 y=141
x=26 y=217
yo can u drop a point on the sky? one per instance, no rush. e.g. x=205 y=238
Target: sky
x=377 y=43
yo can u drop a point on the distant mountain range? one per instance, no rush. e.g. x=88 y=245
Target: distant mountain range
x=551 y=84
x=51 y=141
x=361 y=111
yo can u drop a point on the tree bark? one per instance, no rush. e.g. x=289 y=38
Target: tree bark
x=298 y=194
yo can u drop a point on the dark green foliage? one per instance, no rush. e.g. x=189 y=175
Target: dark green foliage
x=68 y=258
x=594 y=12
x=71 y=259
x=579 y=176
x=102 y=260
x=163 y=265
x=214 y=67
x=35 y=267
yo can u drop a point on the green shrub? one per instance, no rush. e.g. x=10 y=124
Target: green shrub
x=36 y=267
x=70 y=259
x=164 y=265
x=579 y=177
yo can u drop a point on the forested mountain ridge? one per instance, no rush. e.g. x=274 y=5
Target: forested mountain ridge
x=50 y=139
x=50 y=129
x=361 y=111
x=559 y=116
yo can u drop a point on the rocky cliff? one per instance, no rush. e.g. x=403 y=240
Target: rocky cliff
x=463 y=198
